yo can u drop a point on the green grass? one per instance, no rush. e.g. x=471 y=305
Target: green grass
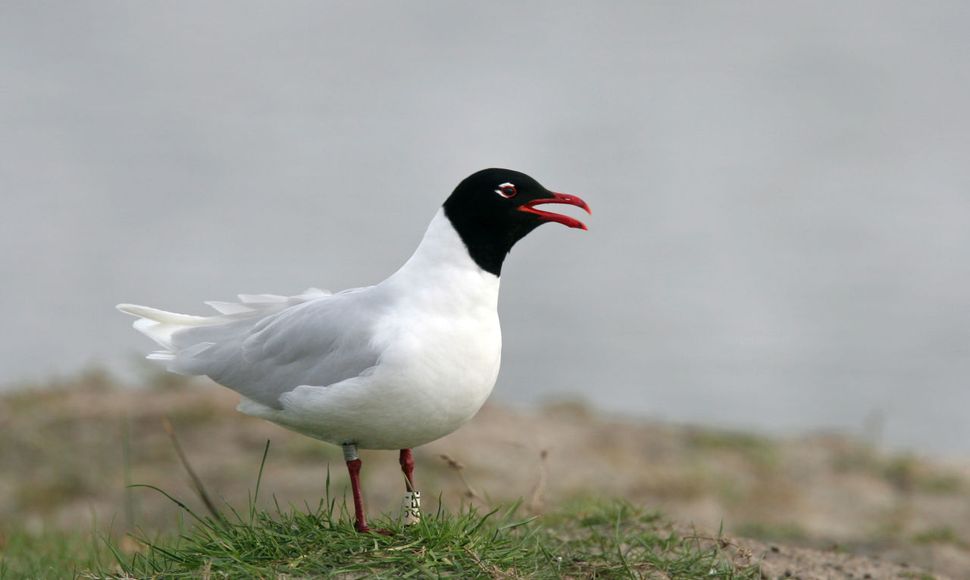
x=52 y=555
x=607 y=539
x=941 y=535
x=588 y=538
x=594 y=539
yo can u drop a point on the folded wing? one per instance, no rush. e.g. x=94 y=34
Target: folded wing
x=266 y=345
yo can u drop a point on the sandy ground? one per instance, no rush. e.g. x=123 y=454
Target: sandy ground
x=811 y=507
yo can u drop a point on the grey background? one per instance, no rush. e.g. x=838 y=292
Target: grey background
x=782 y=215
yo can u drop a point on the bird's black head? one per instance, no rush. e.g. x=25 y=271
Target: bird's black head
x=494 y=208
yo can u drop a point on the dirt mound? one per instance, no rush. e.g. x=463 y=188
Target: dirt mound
x=69 y=452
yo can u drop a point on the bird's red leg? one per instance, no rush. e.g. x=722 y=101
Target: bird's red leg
x=412 y=499
x=407 y=466
x=353 y=466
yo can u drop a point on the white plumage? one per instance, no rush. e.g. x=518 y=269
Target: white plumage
x=389 y=366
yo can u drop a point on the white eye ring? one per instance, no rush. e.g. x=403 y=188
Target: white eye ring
x=506 y=190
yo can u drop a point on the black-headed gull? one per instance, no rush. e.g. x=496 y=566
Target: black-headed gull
x=389 y=366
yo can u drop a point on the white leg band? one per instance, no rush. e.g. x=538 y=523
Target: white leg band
x=411 y=508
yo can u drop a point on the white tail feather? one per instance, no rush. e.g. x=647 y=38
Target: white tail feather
x=159 y=315
x=161 y=325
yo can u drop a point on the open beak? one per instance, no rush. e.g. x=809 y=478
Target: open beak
x=545 y=216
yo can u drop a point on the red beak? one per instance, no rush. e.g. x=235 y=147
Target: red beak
x=529 y=207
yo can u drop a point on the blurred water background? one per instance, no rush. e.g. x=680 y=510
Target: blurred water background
x=781 y=191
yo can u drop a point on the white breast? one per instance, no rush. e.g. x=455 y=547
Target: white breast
x=441 y=345
x=443 y=341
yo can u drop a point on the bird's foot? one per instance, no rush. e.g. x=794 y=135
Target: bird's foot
x=365 y=529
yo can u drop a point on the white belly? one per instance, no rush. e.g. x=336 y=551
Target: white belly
x=432 y=379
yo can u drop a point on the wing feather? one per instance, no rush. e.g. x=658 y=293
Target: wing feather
x=267 y=345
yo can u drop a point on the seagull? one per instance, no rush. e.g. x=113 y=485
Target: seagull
x=389 y=366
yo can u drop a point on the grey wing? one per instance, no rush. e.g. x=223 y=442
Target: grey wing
x=320 y=342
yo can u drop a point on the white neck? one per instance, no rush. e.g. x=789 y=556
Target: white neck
x=442 y=270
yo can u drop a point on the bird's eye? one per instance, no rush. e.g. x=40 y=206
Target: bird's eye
x=506 y=190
